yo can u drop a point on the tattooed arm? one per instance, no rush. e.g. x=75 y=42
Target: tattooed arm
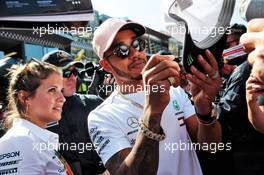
x=143 y=158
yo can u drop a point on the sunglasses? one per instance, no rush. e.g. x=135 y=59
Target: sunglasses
x=68 y=73
x=122 y=50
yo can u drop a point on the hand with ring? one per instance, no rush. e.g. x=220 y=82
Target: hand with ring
x=214 y=76
x=205 y=86
x=160 y=72
x=171 y=80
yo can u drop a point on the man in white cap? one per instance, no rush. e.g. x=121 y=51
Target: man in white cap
x=140 y=128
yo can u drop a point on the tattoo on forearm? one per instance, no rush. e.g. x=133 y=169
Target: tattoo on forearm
x=142 y=159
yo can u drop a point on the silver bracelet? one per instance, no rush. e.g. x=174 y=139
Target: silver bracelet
x=150 y=134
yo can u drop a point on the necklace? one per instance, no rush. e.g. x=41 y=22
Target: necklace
x=131 y=101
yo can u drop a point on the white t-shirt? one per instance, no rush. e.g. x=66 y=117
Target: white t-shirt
x=27 y=149
x=113 y=126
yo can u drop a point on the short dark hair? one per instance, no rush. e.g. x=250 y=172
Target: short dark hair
x=238 y=29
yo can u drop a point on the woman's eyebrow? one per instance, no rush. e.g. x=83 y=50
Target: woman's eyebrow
x=52 y=86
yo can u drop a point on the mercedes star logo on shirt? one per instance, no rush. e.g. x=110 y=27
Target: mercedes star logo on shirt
x=132 y=122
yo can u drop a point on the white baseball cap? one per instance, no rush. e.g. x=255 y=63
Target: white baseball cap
x=105 y=34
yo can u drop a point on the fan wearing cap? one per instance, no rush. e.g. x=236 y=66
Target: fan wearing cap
x=72 y=128
x=65 y=61
x=134 y=128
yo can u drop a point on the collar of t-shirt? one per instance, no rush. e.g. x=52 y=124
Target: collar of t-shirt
x=135 y=95
x=44 y=135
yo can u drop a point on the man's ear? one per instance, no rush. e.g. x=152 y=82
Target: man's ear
x=105 y=65
x=22 y=96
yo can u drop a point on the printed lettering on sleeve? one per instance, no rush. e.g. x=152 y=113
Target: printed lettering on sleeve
x=9 y=155
x=99 y=141
x=9 y=162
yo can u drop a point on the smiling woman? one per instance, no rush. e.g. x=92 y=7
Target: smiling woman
x=34 y=93
x=35 y=99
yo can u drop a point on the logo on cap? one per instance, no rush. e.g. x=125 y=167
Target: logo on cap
x=63 y=56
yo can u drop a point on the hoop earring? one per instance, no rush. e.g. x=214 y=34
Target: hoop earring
x=26 y=113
